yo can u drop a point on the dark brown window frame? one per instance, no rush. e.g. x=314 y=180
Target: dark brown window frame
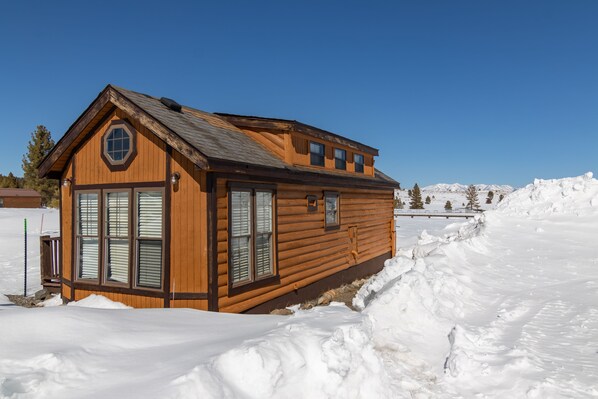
x=100 y=282
x=254 y=283
x=115 y=166
x=355 y=155
x=310 y=142
x=337 y=160
x=337 y=225
x=105 y=237
x=312 y=203
x=78 y=236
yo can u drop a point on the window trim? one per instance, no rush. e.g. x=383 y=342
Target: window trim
x=105 y=237
x=135 y=239
x=343 y=160
x=355 y=163
x=131 y=132
x=76 y=244
x=337 y=224
x=323 y=155
x=99 y=283
x=254 y=282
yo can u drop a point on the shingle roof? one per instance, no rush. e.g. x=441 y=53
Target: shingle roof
x=18 y=192
x=209 y=134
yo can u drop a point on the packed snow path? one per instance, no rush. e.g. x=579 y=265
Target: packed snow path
x=504 y=306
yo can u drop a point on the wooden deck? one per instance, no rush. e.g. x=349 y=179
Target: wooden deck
x=430 y=214
x=50 y=263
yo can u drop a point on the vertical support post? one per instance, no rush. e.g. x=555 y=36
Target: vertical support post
x=25 y=261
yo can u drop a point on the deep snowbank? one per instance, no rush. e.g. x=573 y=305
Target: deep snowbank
x=506 y=307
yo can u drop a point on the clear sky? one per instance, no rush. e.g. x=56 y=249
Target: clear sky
x=496 y=92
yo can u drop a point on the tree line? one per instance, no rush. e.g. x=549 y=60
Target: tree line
x=38 y=147
x=471 y=197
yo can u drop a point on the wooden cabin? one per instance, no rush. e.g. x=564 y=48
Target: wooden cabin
x=20 y=198
x=163 y=205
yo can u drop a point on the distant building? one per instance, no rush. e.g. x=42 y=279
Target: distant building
x=20 y=198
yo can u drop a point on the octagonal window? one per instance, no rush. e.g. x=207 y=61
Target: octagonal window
x=118 y=144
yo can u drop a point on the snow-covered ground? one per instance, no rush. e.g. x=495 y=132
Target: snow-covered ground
x=504 y=306
x=455 y=193
x=12 y=246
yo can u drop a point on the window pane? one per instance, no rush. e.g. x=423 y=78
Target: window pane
x=263 y=255
x=149 y=214
x=340 y=159
x=149 y=273
x=240 y=254
x=88 y=258
x=240 y=213
x=117 y=260
x=331 y=206
x=263 y=203
x=316 y=152
x=88 y=214
x=358 y=159
x=117 y=214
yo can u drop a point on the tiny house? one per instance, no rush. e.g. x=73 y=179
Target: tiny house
x=19 y=198
x=163 y=205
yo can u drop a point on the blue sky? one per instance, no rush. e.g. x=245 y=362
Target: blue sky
x=450 y=91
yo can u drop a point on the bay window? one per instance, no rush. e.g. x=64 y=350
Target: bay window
x=127 y=243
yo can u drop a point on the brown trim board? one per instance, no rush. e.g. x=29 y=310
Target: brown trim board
x=212 y=242
x=311 y=291
x=167 y=232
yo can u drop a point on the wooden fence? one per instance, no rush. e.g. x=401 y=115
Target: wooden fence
x=50 y=262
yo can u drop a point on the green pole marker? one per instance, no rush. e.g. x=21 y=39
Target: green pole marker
x=25 y=280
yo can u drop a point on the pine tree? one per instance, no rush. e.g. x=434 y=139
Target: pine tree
x=428 y=200
x=416 y=198
x=448 y=206
x=471 y=195
x=500 y=197
x=39 y=146
x=10 y=181
x=490 y=197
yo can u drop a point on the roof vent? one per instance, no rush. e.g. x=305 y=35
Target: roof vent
x=173 y=105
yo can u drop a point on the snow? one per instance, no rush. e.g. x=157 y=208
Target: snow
x=12 y=248
x=456 y=187
x=503 y=305
x=98 y=302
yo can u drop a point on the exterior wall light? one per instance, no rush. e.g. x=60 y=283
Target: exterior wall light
x=67 y=182
x=175 y=177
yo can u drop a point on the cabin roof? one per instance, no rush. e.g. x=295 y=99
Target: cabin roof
x=18 y=192
x=209 y=140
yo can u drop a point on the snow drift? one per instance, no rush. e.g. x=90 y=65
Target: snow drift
x=503 y=306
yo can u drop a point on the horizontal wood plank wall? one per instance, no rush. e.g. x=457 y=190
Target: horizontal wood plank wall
x=135 y=301
x=306 y=251
x=22 y=202
x=188 y=229
x=201 y=304
x=66 y=231
x=272 y=141
x=148 y=165
x=300 y=155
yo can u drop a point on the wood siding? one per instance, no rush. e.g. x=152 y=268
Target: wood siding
x=21 y=202
x=148 y=164
x=306 y=251
x=66 y=231
x=189 y=242
x=136 y=301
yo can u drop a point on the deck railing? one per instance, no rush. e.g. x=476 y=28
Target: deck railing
x=50 y=261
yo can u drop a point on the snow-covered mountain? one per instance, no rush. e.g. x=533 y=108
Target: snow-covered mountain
x=456 y=187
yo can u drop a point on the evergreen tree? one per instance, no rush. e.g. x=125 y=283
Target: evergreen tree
x=471 y=195
x=490 y=197
x=10 y=181
x=448 y=206
x=416 y=198
x=39 y=146
x=500 y=197
x=428 y=200
x=409 y=193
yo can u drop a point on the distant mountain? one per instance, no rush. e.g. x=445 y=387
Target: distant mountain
x=457 y=188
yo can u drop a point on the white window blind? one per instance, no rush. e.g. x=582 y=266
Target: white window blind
x=149 y=239
x=87 y=235
x=263 y=239
x=240 y=250
x=117 y=236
